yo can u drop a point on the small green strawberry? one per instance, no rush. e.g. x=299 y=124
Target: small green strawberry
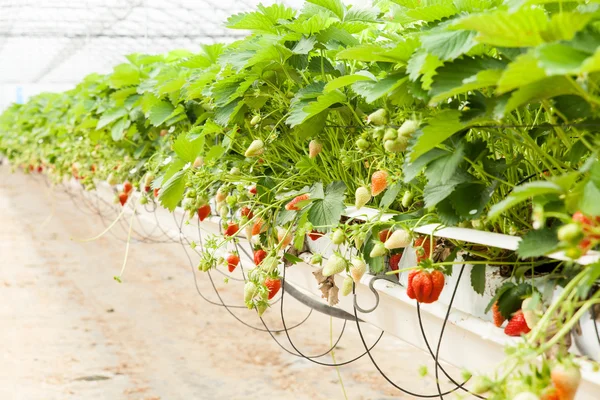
x=338 y=237
x=347 y=286
x=255 y=120
x=316 y=259
x=261 y=307
x=408 y=128
x=407 y=199
x=250 y=290
x=378 y=117
x=334 y=265
x=390 y=134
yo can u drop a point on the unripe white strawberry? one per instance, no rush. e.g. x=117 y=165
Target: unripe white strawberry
x=269 y=264
x=361 y=197
x=248 y=232
x=256 y=148
x=347 y=286
x=221 y=195
x=334 y=265
x=314 y=148
x=359 y=239
x=526 y=396
x=261 y=307
x=378 y=250
x=223 y=211
x=378 y=117
x=408 y=128
x=531 y=314
x=198 y=162
x=358 y=267
x=255 y=120
x=399 y=238
x=112 y=180
x=249 y=291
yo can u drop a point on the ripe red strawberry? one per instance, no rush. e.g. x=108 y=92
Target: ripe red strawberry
x=203 y=212
x=273 y=284
x=378 y=182
x=423 y=248
x=394 y=261
x=147 y=188
x=40 y=169
x=517 y=325
x=566 y=379
x=123 y=198
x=384 y=235
x=31 y=167
x=252 y=190
x=156 y=192
x=409 y=288
x=232 y=229
x=93 y=168
x=259 y=256
x=127 y=187
x=498 y=317
x=297 y=202
x=315 y=235
x=438 y=280
x=422 y=286
x=232 y=261
x=247 y=212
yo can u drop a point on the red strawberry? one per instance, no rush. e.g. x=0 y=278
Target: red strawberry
x=498 y=317
x=40 y=169
x=315 y=235
x=246 y=212
x=409 y=288
x=93 y=168
x=123 y=198
x=384 y=235
x=232 y=261
x=297 y=202
x=259 y=256
x=422 y=286
x=31 y=167
x=127 y=187
x=423 y=248
x=438 y=280
x=203 y=212
x=252 y=190
x=156 y=192
x=517 y=325
x=273 y=284
x=232 y=229
x=394 y=261
x=378 y=182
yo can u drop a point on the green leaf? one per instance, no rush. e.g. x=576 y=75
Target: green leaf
x=214 y=153
x=327 y=212
x=522 y=71
x=470 y=199
x=365 y=52
x=412 y=169
x=309 y=25
x=110 y=116
x=564 y=25
x=302 y=109
x=443 y=168
x=375 y=90
x=124 y=75
x=335 y=6
x=463 y=76
x=264 y=20
x=560 y=59
x=506 y=286
x=292 y=258
x=540 y=90
x=522 y=28
x=188 y=149
x=434 y=193
x=537 y=243
x=522 y=193
x=346 y=80
x=425 y=65
x=589 y=203
x=573 y=107
x=375 y=264
x=440 y=127
x=448 y=45
x=304 y=45
x=160 y=112
x=478 y=278
x=390 y=195
x=171 y=192
x=118 y=129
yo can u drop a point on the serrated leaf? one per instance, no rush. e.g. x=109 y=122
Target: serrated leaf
x=478 y=278
x=214 y=153
x=434 y=193
x=511 y=299
x=110 y=116
x=522 y=193
x=327 y=212
x=117 y=131
x=446 y=213
x=188 y=149
x=412 y=168
x=124 y=75
x=443 y=168
x=448 y=45
x=309 y=25
x=304 y=45
x=336 y=7
x=440 y=127
x=522 y=28
x=292 y=258
x=362 y=14
x=301 y=110
x=499 y=292
x=365 y=52
x=540 y=90
x=564 y=25
x=537 y=243
x=171 y=192
x=390 y=195
x=375 y=90
x=225 y=114
x=573 y=107
x=346 y=80
x=522 y=71
x=560 y=59
x=470 y=199
x=160 y=112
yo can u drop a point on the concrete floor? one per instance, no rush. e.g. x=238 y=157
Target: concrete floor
x=69 y=331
